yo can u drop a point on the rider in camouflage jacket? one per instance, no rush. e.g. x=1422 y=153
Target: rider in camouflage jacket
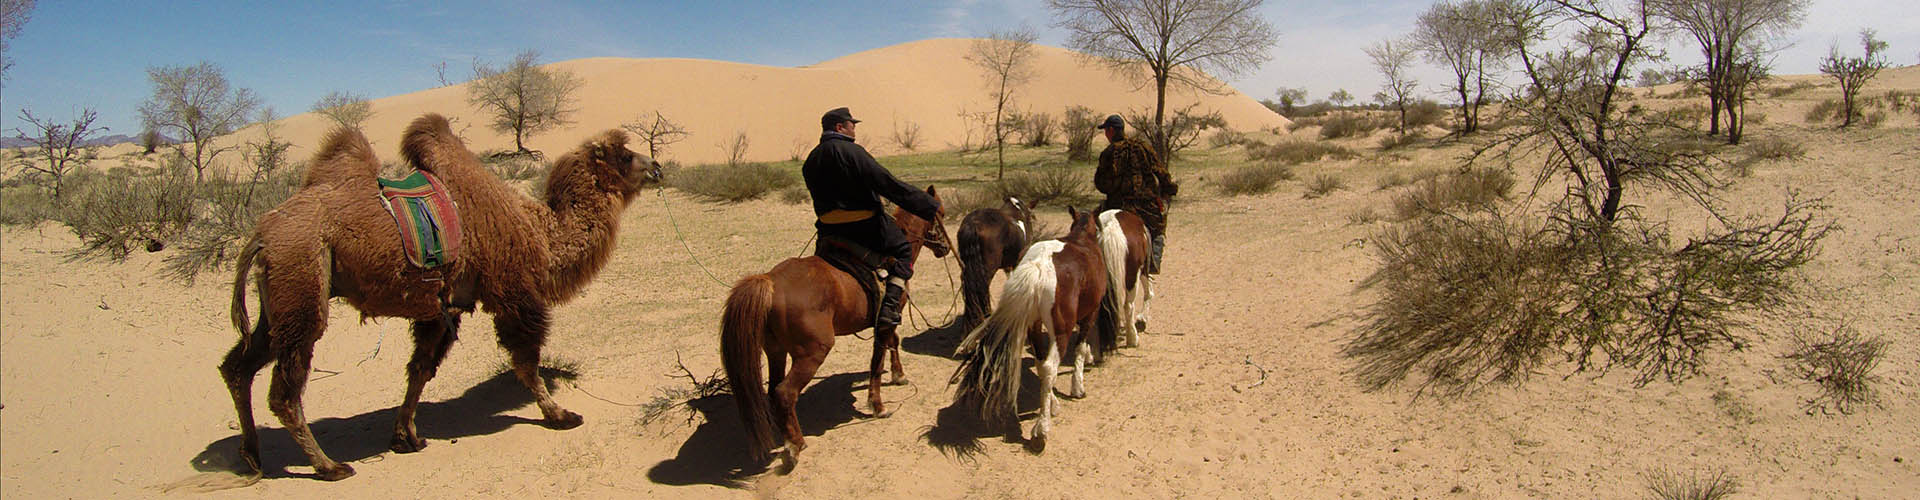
x=1134 y=179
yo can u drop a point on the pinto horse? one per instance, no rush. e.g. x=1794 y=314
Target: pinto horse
x=1054 y=292
x=1123 y=243
x=796 y=310
x=990 y=239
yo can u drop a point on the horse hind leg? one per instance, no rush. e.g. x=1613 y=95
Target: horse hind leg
x=1080 y=356
x=786 y=399
x=1049 y=370
x=522 y=331
x=242 y=363
x=431 y=340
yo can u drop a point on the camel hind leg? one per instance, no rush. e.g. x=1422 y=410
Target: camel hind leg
x=431 y=340
x=244 y=361
x=523 y=330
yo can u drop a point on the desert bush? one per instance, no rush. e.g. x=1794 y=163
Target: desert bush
x=1049 y=185
x=1842 y=363
x=1823 y=111
x=1254 y=179
x=1226 y=138
x=731 y=183
x=1477 y=298
x=26 y=205
x=112 y=215
x=1473 y=188
x=1324 y=184
x=1036 y=129
x=1346 y=125
x=1775 y=148
x=1363 y=216
x=513 y=165
x=906 y=136
x=1874 y=119
x=1796 y=87
x=960 y=202
x=227 y=209
x=1396 y=141
x=1078 y=122
x=1754 y=118
x=1669 y=485
x=1425 y=112
x=1393 y=180
x=796 y=194
x=1297 y=152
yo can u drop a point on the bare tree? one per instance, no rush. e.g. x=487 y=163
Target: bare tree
x=522 y=97
x=440 y=73
x=1453 y=35
x=13 y=15
x=1393 y=61
x=1731 y=34
x=59 y=147
x=196 y=104
x=1854 y=72
x=347 y=109
x=1224 y=37
x=657 y=131
x=1007 y=59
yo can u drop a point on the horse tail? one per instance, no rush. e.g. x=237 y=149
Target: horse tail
x=742 y=328
x=976 y=279
x=989 y=372
x=1115 y=315
x=243 y=268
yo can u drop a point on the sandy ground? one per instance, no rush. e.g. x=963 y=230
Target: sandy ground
x=109 y=388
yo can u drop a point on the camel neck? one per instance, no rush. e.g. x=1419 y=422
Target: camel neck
x=580 y=239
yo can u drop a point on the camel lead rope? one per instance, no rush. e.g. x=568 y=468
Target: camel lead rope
x=683 y=240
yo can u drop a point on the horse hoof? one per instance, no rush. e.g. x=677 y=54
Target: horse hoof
x=788 y=459
x=882 y=413
x=1038 y=443
x=404 y=444
x=567 y=420
x=1140 y=325
x=1077 y=395
x=338 y=472
x=899 y=381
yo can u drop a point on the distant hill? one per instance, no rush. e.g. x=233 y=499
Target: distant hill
x=12 y=141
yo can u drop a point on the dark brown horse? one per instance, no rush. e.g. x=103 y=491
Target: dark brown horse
x=1054 y=292
x=795 y=311
x=990 y=239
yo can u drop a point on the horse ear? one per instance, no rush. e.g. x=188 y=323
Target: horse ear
x=930 y=191
x=1073 y=213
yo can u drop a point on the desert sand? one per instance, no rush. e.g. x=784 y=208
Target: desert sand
x=110 y=388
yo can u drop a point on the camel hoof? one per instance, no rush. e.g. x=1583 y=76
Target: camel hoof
x=404 y=444
x=338 y=472
x=567 y=420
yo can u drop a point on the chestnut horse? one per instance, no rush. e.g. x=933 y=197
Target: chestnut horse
x=1123 y=243
x=990 y=239
x=1054 y=292
x=796 y=310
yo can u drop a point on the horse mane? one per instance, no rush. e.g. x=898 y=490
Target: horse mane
x=343 y=155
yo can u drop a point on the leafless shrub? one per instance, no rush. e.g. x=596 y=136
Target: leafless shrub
x=679 y=399
x=1254 y=179
x=1842 y=363
x=1714 y=485
x=1324 y=184
x=795 y=194
x=1048 y=185
x=1297 y=152
x=1393 y=180
x=1474 y=188
x=736 y=148
x=731 y=183
x=114 y=214
x=1078 y=122
x=906 y=136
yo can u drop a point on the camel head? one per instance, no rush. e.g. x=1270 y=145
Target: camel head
x=612 y=168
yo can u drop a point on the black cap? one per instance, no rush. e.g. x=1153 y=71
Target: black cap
x=1113 y=121
x=835 y=116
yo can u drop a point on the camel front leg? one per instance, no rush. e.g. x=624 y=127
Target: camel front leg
x=523 y=330
x=431 y=339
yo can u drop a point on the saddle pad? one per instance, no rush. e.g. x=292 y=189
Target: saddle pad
x=428 y=219
x=857 y=261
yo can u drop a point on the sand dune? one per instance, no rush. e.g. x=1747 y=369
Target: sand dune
x=926 y=83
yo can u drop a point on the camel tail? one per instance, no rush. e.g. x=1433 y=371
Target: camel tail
x=1113 y=251
x=989 y=372
x=243 y=268
x=429 y=144
x=343 y=155
x=742 y=328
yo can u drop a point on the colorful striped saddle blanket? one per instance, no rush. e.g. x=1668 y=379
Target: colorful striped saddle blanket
x=428 y=219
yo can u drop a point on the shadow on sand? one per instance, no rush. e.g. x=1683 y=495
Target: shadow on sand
x=476 y=412
x=716 y=453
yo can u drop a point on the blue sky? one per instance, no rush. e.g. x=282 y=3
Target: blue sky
x=81 y=53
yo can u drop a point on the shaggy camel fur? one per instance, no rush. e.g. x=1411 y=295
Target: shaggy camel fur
x=333 y=238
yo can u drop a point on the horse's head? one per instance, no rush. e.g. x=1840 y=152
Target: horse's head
x=613 y=168
x=1085 y=227
x=1019 y=211
x=932 y=234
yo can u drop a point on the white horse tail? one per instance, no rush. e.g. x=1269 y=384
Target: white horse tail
x=1113 y=251
x=989 y=372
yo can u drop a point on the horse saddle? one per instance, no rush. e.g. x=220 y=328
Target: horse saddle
x=428 y=219
x=863 y=264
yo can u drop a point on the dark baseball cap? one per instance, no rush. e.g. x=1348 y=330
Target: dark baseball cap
x=1113 y=121
x=835 y=116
